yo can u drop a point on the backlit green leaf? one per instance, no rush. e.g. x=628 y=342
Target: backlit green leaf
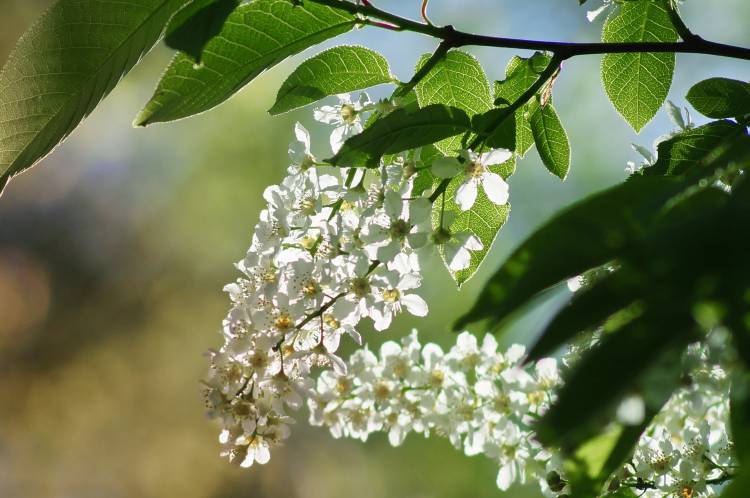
x=551 y=140
x=458 y=80
x=399 y=131
x=688 y=148
x=638 y=83
x=63 y=67
x=520 y=74
x=484 y=219
x=255 y=37
x=337 y=70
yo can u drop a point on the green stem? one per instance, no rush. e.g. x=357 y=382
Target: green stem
x=549 y=72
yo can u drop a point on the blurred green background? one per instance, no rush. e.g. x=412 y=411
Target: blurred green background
x=114 y=250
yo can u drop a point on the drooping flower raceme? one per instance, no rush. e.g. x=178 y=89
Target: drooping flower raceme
x=335 y=246
x=324 y=255
x=475 y=395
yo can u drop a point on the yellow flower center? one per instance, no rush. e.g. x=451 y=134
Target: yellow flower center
x=283 y=321
x=473 y=169
x=348 y=113
x=391 y=295
x=360 y=287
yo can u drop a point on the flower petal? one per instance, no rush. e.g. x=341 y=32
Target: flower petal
x=446 y=167
x=415 y=304
x=419 y=210
x=495 y=188
x=337 y=138
x=497 y=156
x=466 y=194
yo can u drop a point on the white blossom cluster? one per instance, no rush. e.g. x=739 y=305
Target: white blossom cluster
x=478 y=397
x=686 y=451
x=335 y=246
x=332 y=247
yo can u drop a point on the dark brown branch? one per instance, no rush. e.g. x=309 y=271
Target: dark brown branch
x=692 y=45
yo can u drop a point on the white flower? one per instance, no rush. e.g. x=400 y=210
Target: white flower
x=394 y=296
x=299 y=150
x=345 y=117
x=456 y=247
x=476 y=171
x=401 y=224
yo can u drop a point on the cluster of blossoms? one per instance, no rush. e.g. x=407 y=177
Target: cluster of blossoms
x=686 y=451
x=333 y=246
x=480 y=398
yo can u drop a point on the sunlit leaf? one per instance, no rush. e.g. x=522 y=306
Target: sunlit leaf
x=255 y=37
x=688 y=148
x=63 y=67
x=458 y=80
x=520 y=74
x=399 y=131
x=337 y=70
x=484 y=220
x=638 y=83
x=551 y=140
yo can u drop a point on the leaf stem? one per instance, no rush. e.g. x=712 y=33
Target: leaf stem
x=691 y=43
x=436 y=57
x=680 y=25
x=551 y=70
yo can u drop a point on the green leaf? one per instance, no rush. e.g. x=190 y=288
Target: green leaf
x=610 y=369
x=196 y=23
x=255 y=37
x=551 y=140
x=720 y=98
x=595 y=231
x=740 y=416
x=504 y=136
x=337 y=70
x=738 y=487
x=399 y=131
x=589 y=307
x=687 y=149
x=520 y=74
x=64 y=66
x=458 y=80
x=484 y=219
x=638 y=83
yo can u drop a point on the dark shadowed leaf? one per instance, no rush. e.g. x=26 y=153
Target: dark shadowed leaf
x=720 y=98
